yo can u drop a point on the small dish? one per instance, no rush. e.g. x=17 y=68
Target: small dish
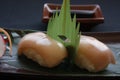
x=86 y=14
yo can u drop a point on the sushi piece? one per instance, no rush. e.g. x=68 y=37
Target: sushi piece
x=2 y=46
x=93 y=55
x=42 y=49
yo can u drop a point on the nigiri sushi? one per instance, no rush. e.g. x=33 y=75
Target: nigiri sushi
x=2 y=42
x=93 y=55
x=42 y=49
x=2 y=46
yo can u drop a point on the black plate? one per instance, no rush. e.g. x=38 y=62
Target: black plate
x=21 y=66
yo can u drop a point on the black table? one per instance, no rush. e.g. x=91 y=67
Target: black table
x=27 y=14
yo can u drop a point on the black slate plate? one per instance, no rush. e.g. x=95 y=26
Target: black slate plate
x=21 y=66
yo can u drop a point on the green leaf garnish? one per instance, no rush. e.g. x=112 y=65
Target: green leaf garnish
x=63 y=24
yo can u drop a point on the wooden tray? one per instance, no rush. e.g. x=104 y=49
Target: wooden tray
x=22 y=67
x=88 y=14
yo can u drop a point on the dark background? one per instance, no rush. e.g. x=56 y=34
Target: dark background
x=27 y=14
